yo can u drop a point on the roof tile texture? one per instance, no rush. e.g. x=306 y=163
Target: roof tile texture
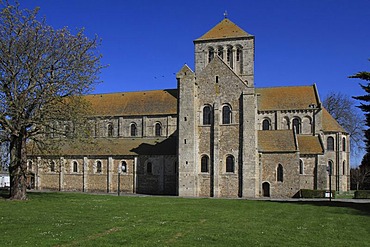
x=224 y=29
x=276 y=141
x=134 y=103
x=286 y=98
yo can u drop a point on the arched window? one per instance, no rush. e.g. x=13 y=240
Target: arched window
x=297 y=125
x=98 y=166
x=110 y=130
x=158 y=129
x=229 y=54
x=75 y=166
x=226 y=114
x=344 y=144
x=280 y=173
x=211 y=54
x=330 y=143
x=220 y=52
x=344 y=167
x=52 y=166
x=301 y=167
x=266 y=124
x=123 y=166
x=133 y=129
x=330 y=168
x=207 y=115
x=149 y=168
x=230 y=163
x=238 y=54
x=204 y=164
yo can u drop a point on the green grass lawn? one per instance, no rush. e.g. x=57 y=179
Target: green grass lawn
x=69 y=219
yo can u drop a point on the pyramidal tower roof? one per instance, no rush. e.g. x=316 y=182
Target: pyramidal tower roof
x=224 y=29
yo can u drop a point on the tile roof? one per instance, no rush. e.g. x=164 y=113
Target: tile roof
x=134 y=103
x=224 y=29
x=113 y=146
x=329 y=123
x=309 y=144
x=286 y=98
x=276 y=141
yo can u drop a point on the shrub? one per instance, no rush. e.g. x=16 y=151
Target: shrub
x=305 y=193
x=362 y=194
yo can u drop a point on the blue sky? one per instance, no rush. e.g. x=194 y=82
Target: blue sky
x=145 y=42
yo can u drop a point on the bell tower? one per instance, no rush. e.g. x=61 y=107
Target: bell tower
x=232 y=44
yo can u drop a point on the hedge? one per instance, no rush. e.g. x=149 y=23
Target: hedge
x=305 y=193
x=362 y=194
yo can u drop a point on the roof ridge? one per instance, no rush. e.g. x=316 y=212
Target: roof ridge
x=123 y=92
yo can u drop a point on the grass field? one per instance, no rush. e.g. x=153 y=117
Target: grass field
x=72 y=219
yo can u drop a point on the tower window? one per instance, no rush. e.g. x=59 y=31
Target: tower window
x=204 y=164
x=211 y=54
x=226 y=114
x=220 y=52
x=207 y=114
x=238 y=54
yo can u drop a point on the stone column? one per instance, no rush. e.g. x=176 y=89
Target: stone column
x=37 y=177
x=109 y=174
x=85 y=174
x=61 y=174
x=216 y=151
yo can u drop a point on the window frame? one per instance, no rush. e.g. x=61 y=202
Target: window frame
x=110 y=130
x=204 y=164
x=207 y=115
x=227 y=114
x=280 y=173
x=133 y=129
x=74 y=166
x=99 y=167
x=266 y=120
x=296 y=125
x=157 y=129
x=330 y=146
x=230 y=167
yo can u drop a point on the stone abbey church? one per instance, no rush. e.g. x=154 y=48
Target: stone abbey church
x=215 y=135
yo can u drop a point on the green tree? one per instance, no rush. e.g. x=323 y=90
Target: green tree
x=43 y=72
x=365 y=107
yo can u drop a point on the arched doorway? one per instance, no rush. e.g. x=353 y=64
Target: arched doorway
x=266 y=189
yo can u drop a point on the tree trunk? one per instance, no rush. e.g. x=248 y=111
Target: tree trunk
x=18 y=168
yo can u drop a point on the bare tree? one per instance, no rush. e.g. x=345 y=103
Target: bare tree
x=344 y=111
x=42 y=74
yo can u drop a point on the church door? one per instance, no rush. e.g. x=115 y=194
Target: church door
x=266 y=189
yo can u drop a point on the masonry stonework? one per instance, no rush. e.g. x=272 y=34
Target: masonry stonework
x=215 y=135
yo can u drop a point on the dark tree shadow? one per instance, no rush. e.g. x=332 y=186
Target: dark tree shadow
x=362 y=208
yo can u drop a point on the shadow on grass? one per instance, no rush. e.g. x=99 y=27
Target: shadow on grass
x=361 y=208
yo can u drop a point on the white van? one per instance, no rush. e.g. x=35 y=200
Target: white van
x=4 y=181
